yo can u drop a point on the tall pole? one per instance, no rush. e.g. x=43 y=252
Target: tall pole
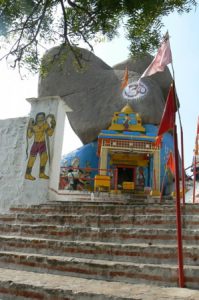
x=195 y=163
x=181 y=137
x=194 y=179
x=178 y=212
x=183 y=170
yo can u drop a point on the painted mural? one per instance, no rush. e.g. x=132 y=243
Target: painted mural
x=75 y=179
x=40 y=129
x=78 y=168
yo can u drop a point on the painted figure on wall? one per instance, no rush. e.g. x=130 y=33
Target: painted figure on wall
x=74 y=177
x=41 y=128
x=140 y=178
x=126 y=123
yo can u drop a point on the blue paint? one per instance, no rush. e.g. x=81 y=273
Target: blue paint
x=87 y=155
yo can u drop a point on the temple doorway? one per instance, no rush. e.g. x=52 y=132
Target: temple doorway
x=125 y=174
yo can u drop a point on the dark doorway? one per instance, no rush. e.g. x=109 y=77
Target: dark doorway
x=125 y=174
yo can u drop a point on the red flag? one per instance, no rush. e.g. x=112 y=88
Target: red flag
x=168 y=117
x=161 y=60
x=125 y=79
x=171 y=163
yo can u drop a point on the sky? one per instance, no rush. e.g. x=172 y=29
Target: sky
x=184 y=40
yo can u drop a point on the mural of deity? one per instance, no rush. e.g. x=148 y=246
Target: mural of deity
x=41 y=129
x=74 y=177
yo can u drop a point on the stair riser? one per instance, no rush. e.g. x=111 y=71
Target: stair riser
x=101 y=210
x=120 y=236
x=117 y=272
x=103 y=221
x=13 y=291
x=148 y=254
x=93 y=210
x=95 y=221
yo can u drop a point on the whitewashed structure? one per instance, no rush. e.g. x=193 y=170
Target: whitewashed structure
x=15 y=151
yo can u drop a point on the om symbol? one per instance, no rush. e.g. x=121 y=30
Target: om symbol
x=135 y=90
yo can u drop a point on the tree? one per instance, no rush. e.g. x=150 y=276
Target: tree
x=26 y=26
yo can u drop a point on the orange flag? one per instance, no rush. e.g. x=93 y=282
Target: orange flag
x=125 y=79
x=171 y=163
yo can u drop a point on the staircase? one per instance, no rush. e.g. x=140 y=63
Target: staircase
x=84 y=243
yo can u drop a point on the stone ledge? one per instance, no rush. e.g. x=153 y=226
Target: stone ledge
x=66 y=287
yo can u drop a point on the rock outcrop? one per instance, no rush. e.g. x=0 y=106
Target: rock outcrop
x=94 y=92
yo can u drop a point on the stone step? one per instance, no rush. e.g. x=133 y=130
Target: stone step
x=102 y=209
x=21 y=285
x=93 y=209
x=106 y=198
x=115 y=235
x=87 y=268
x=114 y=240
x=102 y=221
x=115 y=199
x=128 y=272
x=143 y=253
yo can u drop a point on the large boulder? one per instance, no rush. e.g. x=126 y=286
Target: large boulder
x=94 y=92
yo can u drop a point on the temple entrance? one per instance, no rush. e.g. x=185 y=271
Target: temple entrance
x=125 y=174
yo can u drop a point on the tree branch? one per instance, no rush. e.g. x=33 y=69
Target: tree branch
x=14 y=50
x=67 y=41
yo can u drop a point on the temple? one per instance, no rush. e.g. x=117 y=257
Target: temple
x=123 y=159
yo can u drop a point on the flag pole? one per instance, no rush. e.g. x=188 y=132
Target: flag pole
x=194 y=179
x=181 y=138
x=195 y=163
x=177 y=186
x=178 y=211
x=183 y=171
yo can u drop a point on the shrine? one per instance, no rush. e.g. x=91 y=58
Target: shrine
x=126 y=149
x=123 y=159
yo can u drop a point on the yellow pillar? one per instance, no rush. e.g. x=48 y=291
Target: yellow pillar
x=103 y=161
x=156 y=173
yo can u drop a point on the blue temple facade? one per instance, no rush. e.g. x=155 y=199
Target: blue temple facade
x=126 y=154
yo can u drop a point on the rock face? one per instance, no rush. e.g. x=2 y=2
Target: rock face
x=94 y=93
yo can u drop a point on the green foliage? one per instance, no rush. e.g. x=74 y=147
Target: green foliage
x=27 y=26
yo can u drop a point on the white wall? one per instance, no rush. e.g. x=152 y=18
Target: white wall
x=15 y=150
x=12 y=159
